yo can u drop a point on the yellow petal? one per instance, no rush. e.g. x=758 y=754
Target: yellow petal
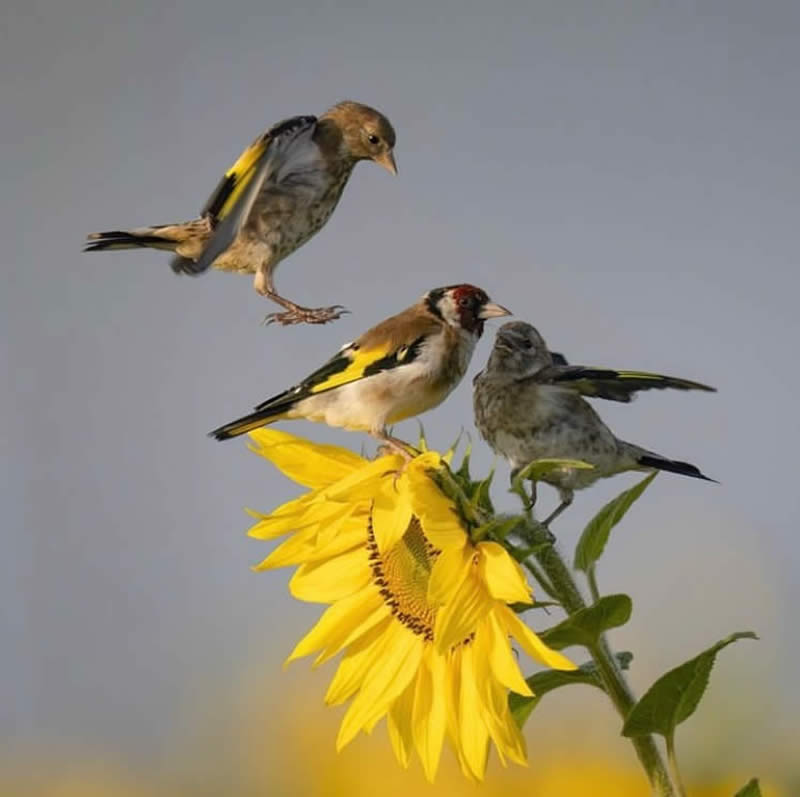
x=503 y=729
x=430 y=460
x=501 y=659
x=310 y=464
x=354 y=517
x=501 y=574
x=356 y=663
x=429 y=713
x=341 y=624
x=391 y=514
x=531 y=643
x=292 y=551
x=494 y=699
x=398 y=723
x=436 y=512
x=363 y=484
x=272 y=526
x=389 y=676
x=449 y=570
x=473 y=734
x=458 y=619
x=349 y=534
x=332 y=579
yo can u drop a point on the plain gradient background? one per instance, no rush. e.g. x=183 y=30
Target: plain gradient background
x=622 y=174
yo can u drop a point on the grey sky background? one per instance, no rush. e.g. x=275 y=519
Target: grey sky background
x=622 y=174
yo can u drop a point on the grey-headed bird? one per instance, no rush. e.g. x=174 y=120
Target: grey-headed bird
x=402 y=367
x=278 y=194
x=528 y=407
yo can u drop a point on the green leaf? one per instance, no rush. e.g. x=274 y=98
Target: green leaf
x=541 y=467
x=586 y=625
x=595 y=536
x=543 y=682
x=674 y=697
x=750 y=789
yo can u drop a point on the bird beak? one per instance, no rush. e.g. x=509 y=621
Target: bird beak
x=386 y=160
x=492 y=310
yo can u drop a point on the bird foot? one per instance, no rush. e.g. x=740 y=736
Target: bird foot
x=305 y=315
x=393 y=445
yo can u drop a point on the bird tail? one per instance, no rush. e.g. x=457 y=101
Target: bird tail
x=649 y=460
x=187 y=238
x=248 y=423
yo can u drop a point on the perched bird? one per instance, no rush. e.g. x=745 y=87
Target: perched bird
x=279 y=193
x=402 y=367
x=527 y=407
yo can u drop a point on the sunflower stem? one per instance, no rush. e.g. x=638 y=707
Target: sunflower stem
x=592 y=579
x=614 y=683
x=541 y=579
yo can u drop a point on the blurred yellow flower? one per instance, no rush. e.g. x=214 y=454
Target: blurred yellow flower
x=419 y=612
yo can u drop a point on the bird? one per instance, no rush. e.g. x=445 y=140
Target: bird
x=399 y=368
x=528 y=407
x=280 y=192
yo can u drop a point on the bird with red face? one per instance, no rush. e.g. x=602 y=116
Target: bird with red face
x=402 y=367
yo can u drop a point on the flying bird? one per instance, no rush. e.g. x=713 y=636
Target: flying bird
x=402 y=367
x=278 y=194
x=528 y=407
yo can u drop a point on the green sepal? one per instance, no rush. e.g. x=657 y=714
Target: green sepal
x=498 y=528
x=479 y=494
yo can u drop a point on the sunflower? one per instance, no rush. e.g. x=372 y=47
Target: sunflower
x=419 y=612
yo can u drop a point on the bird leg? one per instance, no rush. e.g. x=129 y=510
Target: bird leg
x=395 y=445
x=295 y=313
x=566 y=500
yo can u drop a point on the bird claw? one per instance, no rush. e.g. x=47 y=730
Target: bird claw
x=306 y=315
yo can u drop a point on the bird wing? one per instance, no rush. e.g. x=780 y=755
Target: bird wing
x=230 y=204
x=351 y=363
x=609 y=384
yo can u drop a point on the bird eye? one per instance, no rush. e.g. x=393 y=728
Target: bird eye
x=463 y=302
x=527 y=344
x=373 y=139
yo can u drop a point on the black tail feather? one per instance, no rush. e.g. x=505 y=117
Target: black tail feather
x=247 y=423
x=120 y=239
x=673 y=466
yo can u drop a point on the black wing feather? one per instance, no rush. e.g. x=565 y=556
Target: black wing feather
x=612 y=385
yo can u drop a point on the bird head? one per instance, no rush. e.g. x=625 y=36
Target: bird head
x=519 y=350
x=463 y=306
x=367 y=134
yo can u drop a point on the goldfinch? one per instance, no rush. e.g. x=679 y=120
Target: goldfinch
x=402 y=367
x=527 y=407
x=278 y=194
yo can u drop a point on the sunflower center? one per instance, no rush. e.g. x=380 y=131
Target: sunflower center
x=402 y=574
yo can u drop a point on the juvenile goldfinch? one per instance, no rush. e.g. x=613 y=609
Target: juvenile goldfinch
x=278 y=194
x=402 y=367
x=527 y=407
